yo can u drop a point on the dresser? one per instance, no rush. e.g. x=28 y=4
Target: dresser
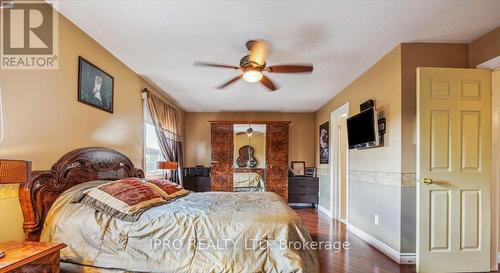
x=303 y=189
x=197 y=183
x=36 y=257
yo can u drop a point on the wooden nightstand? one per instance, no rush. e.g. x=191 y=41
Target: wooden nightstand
x=30 y=257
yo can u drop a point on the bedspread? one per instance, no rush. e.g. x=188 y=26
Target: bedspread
x=202 y=232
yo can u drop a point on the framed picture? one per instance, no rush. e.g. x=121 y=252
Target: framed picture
x=298 y=168
x=311 y=171
x=95 y=87
x=324 y=149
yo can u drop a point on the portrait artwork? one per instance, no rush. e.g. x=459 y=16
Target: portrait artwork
x=95 y=87
x=324 y=152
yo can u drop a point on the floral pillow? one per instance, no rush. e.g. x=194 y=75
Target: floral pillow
x=124 y=199
x=167 y=189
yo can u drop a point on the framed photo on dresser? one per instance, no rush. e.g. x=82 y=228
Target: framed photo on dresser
x=298 y=168
x=95 y=87
x=310 y=171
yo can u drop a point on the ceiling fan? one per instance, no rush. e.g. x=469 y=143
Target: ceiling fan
x=249 y=132
x=253 y=66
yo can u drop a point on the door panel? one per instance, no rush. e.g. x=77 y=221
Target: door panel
x=277 y=159
x=454 y=150
x=470 y=150
x=440 y=141
x=440 y=219
x=470 y=220
x=221 y=174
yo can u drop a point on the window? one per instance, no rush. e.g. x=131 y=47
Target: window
x=152 y=152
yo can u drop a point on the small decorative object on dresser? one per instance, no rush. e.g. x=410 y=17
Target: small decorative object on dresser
x=95 y=87
x=303 y=189
x=298 y=168
x=30 y=257
x=311 y=171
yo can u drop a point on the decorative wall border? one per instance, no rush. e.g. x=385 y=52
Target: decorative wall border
x=403 y=180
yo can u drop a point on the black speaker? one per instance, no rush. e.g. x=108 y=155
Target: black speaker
x=366 y=105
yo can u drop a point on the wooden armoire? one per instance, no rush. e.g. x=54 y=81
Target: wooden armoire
x=276 y=169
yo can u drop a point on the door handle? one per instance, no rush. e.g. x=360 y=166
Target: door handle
x=428 y=181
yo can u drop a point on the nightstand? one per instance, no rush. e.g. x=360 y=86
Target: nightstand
x=30 y=257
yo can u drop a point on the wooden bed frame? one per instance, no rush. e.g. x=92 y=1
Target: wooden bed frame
x=76 y=167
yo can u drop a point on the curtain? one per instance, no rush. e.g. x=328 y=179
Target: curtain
x=165 y=118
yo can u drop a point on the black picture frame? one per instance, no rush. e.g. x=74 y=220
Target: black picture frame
x=310 y=171
x=92 y=78
x=324 y=143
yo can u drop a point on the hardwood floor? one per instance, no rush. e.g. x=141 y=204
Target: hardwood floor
x=360 y=258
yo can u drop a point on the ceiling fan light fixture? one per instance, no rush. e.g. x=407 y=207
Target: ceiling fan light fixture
x=252 y=75
x=250 y=132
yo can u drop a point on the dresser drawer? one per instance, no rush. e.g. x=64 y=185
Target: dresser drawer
x=198 y=188
x=197 y=183
x=303 y=188
x=302 y=198
x=197 y=180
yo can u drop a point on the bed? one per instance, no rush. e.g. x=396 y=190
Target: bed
x=248 y=182
x=201 y=232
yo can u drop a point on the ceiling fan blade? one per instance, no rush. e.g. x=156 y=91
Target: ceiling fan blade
x=258 y=52
x=268 y=83
x=230 y=82
x=290 y=68
x=216 y=65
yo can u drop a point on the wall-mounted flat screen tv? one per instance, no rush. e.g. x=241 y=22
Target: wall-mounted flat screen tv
x=362 y=130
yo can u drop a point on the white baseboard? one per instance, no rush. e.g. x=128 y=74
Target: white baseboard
x=400 y=258
x=498 y=258
x=324 y=211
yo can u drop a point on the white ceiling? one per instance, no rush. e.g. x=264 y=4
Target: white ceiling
x=161 y=40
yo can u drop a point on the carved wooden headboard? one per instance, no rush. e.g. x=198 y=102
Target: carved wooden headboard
x=76 y=167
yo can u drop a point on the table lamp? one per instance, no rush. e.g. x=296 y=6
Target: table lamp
x=14 y=172
x=167 y=165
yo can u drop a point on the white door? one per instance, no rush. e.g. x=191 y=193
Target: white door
x=454 y=170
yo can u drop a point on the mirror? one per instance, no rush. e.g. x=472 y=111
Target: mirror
x=249 y=157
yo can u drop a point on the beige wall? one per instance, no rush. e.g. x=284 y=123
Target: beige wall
x=484 y=48
x=382 y=82
x=197 y=131
x=44 y=120
x=415 y=55
x=391 y=82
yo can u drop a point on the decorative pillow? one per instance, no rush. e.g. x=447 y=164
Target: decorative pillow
x=167 y=189
x=124 y=199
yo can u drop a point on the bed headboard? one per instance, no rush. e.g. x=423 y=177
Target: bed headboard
x=78 y=166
